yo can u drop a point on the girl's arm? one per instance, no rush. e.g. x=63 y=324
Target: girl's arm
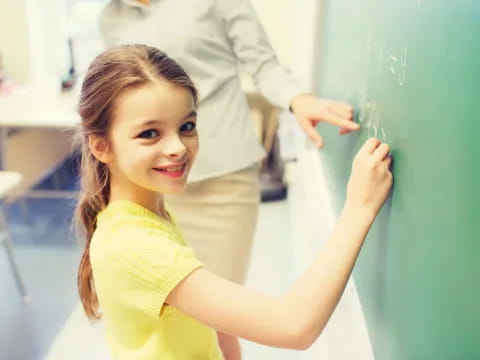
x=296 y=319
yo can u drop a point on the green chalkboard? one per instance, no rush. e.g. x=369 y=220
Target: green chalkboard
x=411 y=69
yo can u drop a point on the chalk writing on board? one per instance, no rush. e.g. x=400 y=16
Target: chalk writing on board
x=403 y=64
x=383 y=135
x=379 y=56
x=370 y=119
x=398 y=66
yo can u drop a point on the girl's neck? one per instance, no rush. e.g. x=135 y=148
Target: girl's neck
x=153 y=201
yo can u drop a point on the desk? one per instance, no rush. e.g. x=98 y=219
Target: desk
x=36 y=108
x=8 y=181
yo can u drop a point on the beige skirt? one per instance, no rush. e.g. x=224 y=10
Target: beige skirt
x=217 y=217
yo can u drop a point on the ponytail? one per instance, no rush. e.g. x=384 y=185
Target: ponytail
x=95 y=194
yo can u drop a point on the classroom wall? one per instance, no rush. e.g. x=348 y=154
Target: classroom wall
x=276 y=18
x=33 y=40
x=14 y=39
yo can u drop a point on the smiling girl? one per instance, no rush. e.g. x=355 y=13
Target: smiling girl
x=139 y=140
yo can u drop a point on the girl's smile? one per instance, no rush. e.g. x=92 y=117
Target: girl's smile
x=173 y=171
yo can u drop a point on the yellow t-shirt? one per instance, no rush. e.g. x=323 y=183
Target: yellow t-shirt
x=137 y=258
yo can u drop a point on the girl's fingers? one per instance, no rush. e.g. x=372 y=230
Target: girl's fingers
x=369 y=147
x=388 y=161
x=381 y=152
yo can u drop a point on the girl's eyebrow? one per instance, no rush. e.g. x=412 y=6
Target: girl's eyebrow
x=190 y=115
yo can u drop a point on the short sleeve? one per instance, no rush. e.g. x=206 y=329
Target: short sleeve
x=152 y=264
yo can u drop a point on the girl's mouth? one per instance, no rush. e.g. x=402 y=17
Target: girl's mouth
x=173 y=172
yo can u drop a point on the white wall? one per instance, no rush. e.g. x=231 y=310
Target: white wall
x=33 y=39
x=276 y=17
x=14 y=39
x=294 y=30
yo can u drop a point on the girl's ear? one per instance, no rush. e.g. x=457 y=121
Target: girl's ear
x=99 y=148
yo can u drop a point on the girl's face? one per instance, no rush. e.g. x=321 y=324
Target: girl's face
x=153 y=139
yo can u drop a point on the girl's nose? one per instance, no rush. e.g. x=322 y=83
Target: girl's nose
x=174 y=147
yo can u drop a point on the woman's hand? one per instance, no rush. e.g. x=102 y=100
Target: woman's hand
x=371 y=179
x=310 y=110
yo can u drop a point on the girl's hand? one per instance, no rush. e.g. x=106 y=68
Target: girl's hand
x=371 y=179
x=310 y=110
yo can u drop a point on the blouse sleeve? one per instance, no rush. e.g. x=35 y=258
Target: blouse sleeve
x=153 y=265
x=254 y=52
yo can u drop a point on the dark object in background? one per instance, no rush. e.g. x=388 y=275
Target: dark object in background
x=272 y=185
x=265 y=116
x=69 y=80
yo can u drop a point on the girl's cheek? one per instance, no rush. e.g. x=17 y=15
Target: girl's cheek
x=192 y=144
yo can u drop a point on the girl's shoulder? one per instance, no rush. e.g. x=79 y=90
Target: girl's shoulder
x=129 y=235
x=126 y=219
x=129 y=211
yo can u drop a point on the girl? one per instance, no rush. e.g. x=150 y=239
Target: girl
x=138 y=110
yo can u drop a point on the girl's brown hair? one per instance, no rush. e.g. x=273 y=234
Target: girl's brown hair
x=110 y=74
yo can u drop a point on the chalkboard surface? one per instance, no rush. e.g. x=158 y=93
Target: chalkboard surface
x=411 y=69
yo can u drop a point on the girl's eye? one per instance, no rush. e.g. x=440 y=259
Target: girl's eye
x=148 y=134
x=188 y=127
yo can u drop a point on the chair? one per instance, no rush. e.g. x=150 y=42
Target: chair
x=8 y=181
